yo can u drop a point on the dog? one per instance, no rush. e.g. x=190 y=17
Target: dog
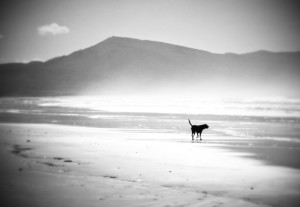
x=197 y=129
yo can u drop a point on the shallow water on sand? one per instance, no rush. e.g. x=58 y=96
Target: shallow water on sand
x=272 y=122
x=275 y=118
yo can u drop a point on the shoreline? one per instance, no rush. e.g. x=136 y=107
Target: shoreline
x=261 y=148
x=47 y=165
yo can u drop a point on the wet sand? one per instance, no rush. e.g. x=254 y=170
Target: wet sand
x=54 y=165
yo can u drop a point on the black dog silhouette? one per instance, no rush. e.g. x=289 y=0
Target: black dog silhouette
x=197 y=129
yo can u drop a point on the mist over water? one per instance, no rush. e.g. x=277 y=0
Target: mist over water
x=261 y=107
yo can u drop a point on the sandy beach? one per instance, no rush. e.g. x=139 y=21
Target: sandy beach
x=55 y=165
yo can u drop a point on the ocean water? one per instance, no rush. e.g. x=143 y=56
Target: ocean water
x=249 y=120
x=271 y=107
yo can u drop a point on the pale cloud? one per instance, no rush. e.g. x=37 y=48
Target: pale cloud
x=35 y=59
x=52 y=29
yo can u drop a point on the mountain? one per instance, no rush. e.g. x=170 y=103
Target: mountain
x=128 y=66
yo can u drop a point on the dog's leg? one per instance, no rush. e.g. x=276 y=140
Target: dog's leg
x=193 y=135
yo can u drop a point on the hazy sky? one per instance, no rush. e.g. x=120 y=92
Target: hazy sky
x=43 y=29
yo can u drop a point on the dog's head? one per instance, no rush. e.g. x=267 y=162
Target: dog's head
x=206 y=126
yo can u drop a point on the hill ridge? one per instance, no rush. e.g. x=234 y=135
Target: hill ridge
x=127 y=65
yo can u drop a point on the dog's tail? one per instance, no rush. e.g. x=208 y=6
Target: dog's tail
x=190 y=122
